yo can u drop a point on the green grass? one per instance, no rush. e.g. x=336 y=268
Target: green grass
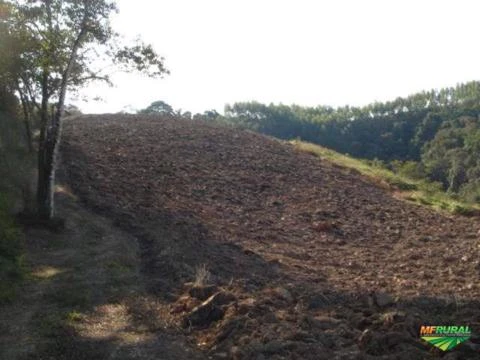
x=418 y=191
x=73 y=316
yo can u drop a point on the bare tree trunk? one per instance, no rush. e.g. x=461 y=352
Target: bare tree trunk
x=46 y=144
x=49 y=158
x=46 y=178
x=44 y=187
x=49 y=139
x=50 y=136
x=27 y=111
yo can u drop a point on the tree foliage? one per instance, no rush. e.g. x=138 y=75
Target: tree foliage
x=55 y=47
x=436 y=130
x=158 y=107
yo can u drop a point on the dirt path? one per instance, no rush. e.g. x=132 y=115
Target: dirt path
x=84 y=297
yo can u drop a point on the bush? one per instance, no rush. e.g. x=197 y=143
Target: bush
x=431 y=187
x=410 y=169
x=11 y=253
x=376 y=163
x=400 y=184
x=470 y=192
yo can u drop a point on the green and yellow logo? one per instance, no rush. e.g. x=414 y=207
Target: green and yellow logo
x=445 y=337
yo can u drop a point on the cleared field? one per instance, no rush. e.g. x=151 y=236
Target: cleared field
x=419 y=191
x=313 y=260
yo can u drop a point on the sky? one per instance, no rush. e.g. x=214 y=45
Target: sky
x=305 y=52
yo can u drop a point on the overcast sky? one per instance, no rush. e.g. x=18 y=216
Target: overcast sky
x=307 y=52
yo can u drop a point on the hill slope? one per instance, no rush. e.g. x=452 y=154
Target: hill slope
x=316 y=260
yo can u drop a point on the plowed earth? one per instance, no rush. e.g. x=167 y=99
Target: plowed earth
x=320 y=261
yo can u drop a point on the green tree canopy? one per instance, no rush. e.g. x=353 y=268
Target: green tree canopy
x=54 y=47
x=158 y=107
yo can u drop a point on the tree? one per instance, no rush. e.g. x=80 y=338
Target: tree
x=71 y=109
x=186 y=115
x=208 y=115
x=10 y=48
x=59 y=40
x=158 y=107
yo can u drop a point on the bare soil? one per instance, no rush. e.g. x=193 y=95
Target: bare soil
x=84 y=297
x=313 y=260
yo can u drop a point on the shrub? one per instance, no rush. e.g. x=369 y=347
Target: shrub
x=376 y=163
x=470 y=192
x=431 y=187
x=462 y=210
x=410 y=169
x=401 y=184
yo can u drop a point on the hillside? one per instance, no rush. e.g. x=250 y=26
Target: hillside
x=432 y=136
x=312 y=260
x=402 y=184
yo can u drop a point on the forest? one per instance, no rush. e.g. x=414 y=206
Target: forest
x=432 y=135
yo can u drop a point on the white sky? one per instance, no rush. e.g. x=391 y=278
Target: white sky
x=308 y=52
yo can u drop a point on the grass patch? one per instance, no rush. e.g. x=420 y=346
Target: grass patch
x=74 y=316
x=419 y=191
x=202 y=275
x=372 y=169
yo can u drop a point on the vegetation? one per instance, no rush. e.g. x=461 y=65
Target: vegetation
x=160 y=107
x=15 y=162
x=403 y=177
x=436 y=133
x=48 y=48
x=51 y=46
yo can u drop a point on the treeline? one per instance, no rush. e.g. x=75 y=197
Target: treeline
x=432 y=134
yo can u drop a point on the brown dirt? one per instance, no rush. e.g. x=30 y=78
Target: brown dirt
x=323 y=263
x=84 y=297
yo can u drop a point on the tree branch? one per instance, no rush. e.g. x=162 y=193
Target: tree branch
x=30 y=93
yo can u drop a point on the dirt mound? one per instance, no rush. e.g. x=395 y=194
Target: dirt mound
x=320 y=262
